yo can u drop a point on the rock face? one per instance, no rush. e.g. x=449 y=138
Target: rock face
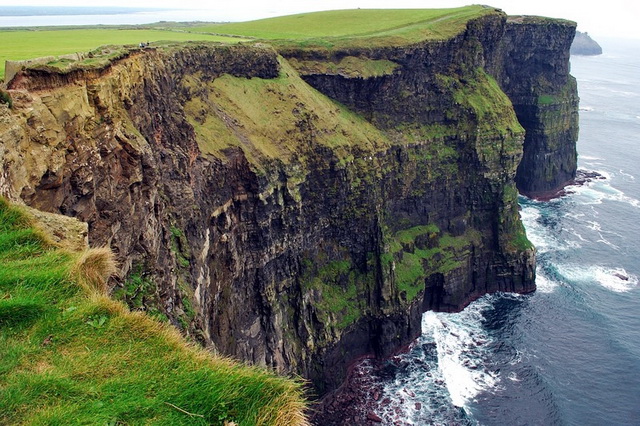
x=278 y=226
x=546 y=101
x=583 y=44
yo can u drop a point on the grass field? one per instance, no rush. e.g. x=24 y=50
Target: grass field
x=337 y=28
x=377 y=26
x=71 y=355
x=27 y=44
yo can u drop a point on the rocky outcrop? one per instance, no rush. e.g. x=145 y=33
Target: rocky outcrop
x=535 y=76
x=583 y=44
x=270 y=222
x=528 y=56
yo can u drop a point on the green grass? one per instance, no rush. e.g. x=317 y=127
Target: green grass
x=73 y=356
x=291 y=118
x=18 y=45
x=357 y=27
x=546 y=100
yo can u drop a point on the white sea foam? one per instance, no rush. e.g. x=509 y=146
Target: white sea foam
x=544 y=284
x=628 y=176
x=615 y=279
x=537 y=233
x=590 y=158
x=593 y=225
x=597 y=191
x=586 y=108
x=460 y=340
x=612 y=278
x=603 y=240
x=446 y=368
x=575 y=244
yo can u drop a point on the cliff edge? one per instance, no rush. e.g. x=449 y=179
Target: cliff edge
x=297 y=204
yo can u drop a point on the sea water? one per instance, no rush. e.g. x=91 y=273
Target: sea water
x=568 y=354
x=34 y=16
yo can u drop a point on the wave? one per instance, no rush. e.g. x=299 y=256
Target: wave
x=535 y=231
x=586 y=108
x=445 y=371
x=629 y=176
x=612 y=278
x=595 y=192
x=538 y=233
x=544 y=284
x=458 y=342
x=615 y=279
x=590 y=162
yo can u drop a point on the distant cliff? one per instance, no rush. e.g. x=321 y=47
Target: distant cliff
x=300 y=207
x=583 y=44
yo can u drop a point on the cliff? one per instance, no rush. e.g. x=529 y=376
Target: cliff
x=583 y=44
x=536 y=78
x=300 y=207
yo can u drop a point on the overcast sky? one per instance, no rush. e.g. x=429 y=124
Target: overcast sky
x=609 y=18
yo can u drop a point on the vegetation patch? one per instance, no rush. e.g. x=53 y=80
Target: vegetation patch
x=481 y=93
x=73 y=356
x=421 y=251
x=139 y=292
x=281 y=118
x=5 y=98
x=547 y=100
x=338 y=288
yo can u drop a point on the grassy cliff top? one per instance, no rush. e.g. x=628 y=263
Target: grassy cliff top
x=71 y=355
x=357 y=27
x=21 y=44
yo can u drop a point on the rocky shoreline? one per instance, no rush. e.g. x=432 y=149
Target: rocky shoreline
x=582 y=177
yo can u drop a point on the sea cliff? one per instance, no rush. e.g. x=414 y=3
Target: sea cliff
x=298 y=207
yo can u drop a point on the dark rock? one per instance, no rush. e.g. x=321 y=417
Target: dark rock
x=374 y=417
x=535 y=76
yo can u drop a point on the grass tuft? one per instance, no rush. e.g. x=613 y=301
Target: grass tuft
x=93 y=269
x=69 y=354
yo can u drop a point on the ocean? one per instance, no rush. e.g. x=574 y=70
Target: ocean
x=33 y=16
x=569 y=354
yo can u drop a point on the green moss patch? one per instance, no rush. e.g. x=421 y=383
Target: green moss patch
x=338 y=289
x=349 y=66
x=421 y=251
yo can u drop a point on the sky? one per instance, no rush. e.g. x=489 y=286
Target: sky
x=610 y=18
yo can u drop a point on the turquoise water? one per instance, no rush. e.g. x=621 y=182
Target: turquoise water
x=570 y=353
